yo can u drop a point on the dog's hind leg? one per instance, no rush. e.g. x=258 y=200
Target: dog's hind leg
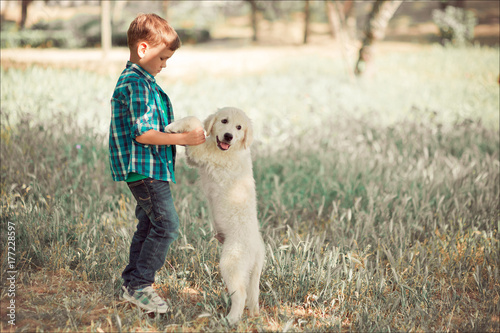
x=236 y=281
x=238 y=296
x=253 y=286
x=253 y=293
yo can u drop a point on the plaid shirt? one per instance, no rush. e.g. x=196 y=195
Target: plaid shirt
x=136 y=107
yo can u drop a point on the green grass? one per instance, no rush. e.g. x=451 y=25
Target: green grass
x=378 y=200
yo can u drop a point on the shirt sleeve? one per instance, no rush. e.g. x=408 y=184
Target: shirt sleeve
x=141 y=114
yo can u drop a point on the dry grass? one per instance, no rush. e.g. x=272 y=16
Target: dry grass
x=373 y=220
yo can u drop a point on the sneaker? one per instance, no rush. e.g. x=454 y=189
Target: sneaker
x=146 y=298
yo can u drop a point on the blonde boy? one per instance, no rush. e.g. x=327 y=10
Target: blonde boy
x=143 y=155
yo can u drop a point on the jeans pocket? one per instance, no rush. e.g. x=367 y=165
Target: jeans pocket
x=142 y=195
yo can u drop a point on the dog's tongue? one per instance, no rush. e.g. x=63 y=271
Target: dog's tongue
x=224 y=146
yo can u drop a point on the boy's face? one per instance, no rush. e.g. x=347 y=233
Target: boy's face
x=153 y=58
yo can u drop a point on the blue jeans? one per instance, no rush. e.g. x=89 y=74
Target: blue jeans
x=157 y=228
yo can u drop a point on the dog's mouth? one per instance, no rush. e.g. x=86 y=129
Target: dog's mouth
x=222 y=145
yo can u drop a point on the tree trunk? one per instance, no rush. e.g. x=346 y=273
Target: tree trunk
x=24 y=13
x=118 y=8
x=333 y=18
x=337 y=16
x=381 y=14
x=253 y=4
x=350 y=19
x=307 y=15
x=164 y=6
x=341 y=18
x=105 y=27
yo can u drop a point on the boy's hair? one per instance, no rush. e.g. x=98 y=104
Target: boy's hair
x=154 y=30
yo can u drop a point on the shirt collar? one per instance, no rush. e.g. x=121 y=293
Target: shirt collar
x=141 y=70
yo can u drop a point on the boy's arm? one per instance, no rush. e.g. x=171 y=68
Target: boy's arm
x=153 y=137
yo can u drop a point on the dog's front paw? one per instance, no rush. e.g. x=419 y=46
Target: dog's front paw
x=186 y=124
x=173 y=128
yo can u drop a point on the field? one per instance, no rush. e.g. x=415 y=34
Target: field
x=378 y=198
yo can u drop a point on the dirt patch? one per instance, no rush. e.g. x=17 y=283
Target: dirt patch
x=47 y=300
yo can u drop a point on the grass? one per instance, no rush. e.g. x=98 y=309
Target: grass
x=380 y=212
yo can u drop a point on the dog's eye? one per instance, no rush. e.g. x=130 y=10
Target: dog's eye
x=238 y=127
x=224 y=121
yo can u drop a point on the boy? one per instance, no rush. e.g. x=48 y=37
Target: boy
x=143 y=155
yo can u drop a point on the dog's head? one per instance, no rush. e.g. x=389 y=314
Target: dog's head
x=229 y=127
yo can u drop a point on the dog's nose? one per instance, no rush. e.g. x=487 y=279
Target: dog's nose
x=228 y=137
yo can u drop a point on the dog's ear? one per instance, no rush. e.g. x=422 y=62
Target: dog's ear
x=248 y=138
x=209 y=123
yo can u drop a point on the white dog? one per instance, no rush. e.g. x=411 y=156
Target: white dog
x=225 y=168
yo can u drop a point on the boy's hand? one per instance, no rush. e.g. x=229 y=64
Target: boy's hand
x=195 y=137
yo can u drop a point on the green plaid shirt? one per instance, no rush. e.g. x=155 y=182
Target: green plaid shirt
x=137 y=106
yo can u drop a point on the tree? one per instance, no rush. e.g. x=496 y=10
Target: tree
x=164 y=7
x=253 y=5
x=341 y=18
x=117 y=13
x=382 y=12
x=105 y=27
x=307 y=15
x=24 y=13
x=343 y=27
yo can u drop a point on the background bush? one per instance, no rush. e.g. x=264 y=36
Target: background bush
x=456 y=25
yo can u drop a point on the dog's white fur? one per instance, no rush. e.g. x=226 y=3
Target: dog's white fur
x=227 y=180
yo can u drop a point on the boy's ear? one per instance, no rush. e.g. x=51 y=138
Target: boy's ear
x=142 y=48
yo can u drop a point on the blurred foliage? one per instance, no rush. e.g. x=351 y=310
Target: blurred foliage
x=82 y=30
x=193 y=21
x=38 y=38
x=456 y=25
x=196 y=20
